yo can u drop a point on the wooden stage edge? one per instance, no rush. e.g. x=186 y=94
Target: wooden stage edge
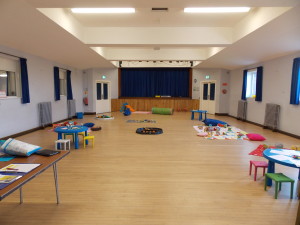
x=146 y=104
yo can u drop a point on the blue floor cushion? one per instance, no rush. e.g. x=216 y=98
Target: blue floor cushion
x=213 y=122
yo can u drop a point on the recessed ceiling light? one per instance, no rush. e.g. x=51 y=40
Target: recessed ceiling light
x=217 y=10
x=103 y=10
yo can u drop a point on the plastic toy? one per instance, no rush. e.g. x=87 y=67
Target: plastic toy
x=295 y=147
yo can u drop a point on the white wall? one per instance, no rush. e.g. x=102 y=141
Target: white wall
x=16 y=117
x=276 y=89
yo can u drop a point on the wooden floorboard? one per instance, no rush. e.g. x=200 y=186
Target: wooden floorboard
x=175 y=178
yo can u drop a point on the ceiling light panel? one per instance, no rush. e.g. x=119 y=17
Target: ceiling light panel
x=217 y=10
x=103 y=10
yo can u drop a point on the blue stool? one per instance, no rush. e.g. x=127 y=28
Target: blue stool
x=200 y=114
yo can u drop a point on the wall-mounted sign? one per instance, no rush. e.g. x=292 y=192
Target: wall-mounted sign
x=2 y=94
x=207 y=77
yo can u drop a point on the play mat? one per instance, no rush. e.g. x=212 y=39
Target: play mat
x=221 y=133
x=104 y=117
x=149 y=130
x=141 y=121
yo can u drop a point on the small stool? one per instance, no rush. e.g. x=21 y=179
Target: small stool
x=200 y=114
x=256 y=164
x=86 y=138
x=62 y=141
x=279 y=178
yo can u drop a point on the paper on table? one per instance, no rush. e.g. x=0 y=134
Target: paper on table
x=296 y=162
x=19 y=168
x=279 y=152
x=293 y=152
x=280 y=157
x=8 y=178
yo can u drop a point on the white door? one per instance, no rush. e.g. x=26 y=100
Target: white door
x=103 y=98
x=208 y=96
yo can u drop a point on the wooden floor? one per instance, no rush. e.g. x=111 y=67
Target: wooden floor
x=175 y=178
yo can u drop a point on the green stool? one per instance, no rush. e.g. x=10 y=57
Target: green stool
x=73 y=135
x=279 y=178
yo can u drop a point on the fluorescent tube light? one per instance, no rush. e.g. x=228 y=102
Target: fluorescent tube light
x=217 y=10
x=3 y=75
x=103 y=10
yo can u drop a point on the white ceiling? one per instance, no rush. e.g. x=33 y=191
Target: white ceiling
x=48 y=29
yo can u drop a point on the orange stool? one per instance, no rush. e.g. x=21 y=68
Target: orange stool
x=257 y=164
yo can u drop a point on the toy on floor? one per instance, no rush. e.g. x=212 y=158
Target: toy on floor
x=162 y=111
x=127 y=112
x=126 y=106
x=295 y=147
x=104 y=117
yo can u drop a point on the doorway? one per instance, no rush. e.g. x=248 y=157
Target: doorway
x=208 y=96
x=103 y=97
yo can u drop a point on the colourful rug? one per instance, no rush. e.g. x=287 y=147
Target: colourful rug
x=260 y=149
x=229 y=133
x=141 y=121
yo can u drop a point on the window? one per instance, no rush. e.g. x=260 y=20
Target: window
x=10 y=83
x=251 y=83
x=63 y=82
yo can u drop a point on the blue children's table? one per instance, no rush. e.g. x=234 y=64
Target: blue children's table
x=269 y=154
x=200 y=114
x=74 y=130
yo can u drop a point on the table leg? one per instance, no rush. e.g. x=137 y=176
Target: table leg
x=200 y=116
x=192 y=118
x=59 y=136
x=56 y=183
x=271 y=169
x=86 y=141
x=298 y=185
x=205 y=116
x=21 y=195
x=76 y=142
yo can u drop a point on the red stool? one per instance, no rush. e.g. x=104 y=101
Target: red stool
x=256 y=164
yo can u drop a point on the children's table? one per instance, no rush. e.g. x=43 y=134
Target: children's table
x=200 y=114
x=71 y=130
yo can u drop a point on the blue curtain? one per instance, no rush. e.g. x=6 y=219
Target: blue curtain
x=244 y=88
x=24 y=81
x=69 y=86
x=148 y=82
x=295 y=87
x=56 y=84
x=259 y=84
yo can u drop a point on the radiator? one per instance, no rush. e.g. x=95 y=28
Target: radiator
x=242 y=110
x=45 y=113
x=71 y=108
x=272 y=116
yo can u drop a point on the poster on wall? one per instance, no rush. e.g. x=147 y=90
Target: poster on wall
x=2 y=94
